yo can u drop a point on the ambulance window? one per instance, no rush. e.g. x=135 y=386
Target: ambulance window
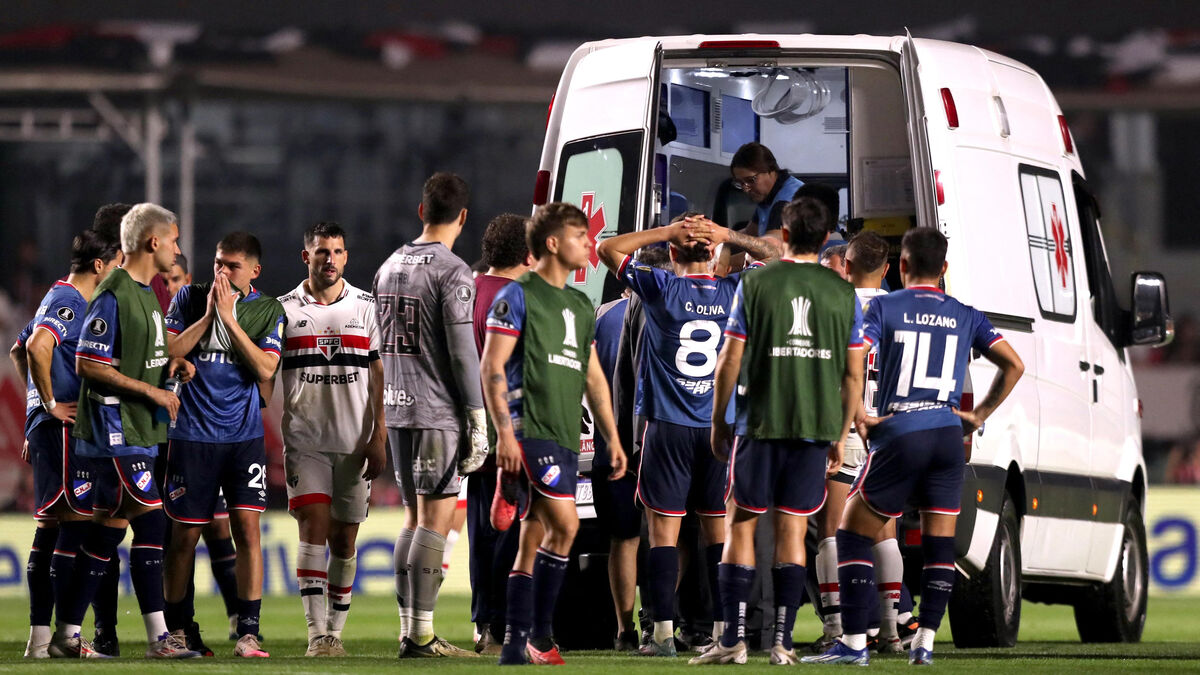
x=599 y=175
x=1049 y=239
x=1108 y=313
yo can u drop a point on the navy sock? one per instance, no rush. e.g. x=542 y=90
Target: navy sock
x=37 y=574
x=937 y=579
x=735 y=583
x=873 y=609
x=549 y=570
x=145 y=559
x=519 y=617
x=789 y=589
x=104 y=602
x=98 y=549
x=856 y=580
x=71 y=534
x=248 y=611
x=906 y=601
x=712 y=555
x=223 y=559
x=176 y=615
x=662 y=570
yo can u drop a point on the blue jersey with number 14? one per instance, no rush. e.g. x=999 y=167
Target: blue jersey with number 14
x=924 y=339
x=685 y=320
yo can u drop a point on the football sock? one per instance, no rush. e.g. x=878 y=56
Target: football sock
x=98 y=548
x=37 y=575
x=712 y=555
x=400 y=568
x=146 y=569
x=827 y=581
x=549 y=570
x=222 y=557
x=789 y=589
x=104 y=601
x=341 y=586
x=248 y=612
x=519 y=617
x=735 y=594
x=889 y=569
x=856 y=580
x=451 y=540
x=662 y=566
x=66 y=549
x=312 y=580
x=904 y=606
x=424 y=581
x=937 y=580
x=176 y=616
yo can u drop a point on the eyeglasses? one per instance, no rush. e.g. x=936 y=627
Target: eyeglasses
x=748 y=182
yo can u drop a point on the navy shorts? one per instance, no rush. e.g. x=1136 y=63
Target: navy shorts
x=925 y=465
x=788 y=474
x=551 y=469
x=678 y=471
x=58 y=473
x=198 y=474
x=127 y=475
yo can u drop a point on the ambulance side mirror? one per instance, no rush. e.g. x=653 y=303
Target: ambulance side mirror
x=1150 y=322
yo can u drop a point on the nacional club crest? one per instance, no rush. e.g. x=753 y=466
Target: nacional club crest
x=329 y=345
x=81 y=487
x=551 y=474
x=141 y=479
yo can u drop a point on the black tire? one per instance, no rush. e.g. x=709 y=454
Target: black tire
x=985 y=610
x=1116 y=611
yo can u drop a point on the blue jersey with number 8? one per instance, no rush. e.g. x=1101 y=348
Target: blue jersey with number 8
x=924 y=338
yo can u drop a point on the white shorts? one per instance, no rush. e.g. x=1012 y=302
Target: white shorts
x=854 y=456
x=332 y=478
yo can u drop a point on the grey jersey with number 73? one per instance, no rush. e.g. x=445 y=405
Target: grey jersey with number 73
x=425 y=296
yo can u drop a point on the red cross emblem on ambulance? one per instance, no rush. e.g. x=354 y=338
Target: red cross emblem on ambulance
x=596 y=225
x=1061 y=261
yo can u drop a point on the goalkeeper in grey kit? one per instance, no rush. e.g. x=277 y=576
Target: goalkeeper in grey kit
x=433 y=401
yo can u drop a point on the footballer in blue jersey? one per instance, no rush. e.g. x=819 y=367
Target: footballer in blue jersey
x=924 y=340
x=44 y=354
x=232 y=337
x=685 y=313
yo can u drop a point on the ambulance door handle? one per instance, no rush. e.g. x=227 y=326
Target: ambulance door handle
x=1098 y=369
x=1084 y=366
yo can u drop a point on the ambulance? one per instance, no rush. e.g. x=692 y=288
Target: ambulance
x=915 y=133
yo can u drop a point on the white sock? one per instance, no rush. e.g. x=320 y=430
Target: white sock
x=156 y=626
x=451 y=540
x=903 y=618
x=889 y=569
x=39 y=635
x=67 y=630
x=663 y=630
x=312 y=579
x=827 y=580
x=718 y=630
x=341 y=586
x=923 y=638
x=857 y=641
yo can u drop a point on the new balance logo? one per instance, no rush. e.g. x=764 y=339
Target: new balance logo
x=569 y=327
x=800 y=307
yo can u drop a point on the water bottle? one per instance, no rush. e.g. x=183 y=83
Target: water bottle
x=172 y=385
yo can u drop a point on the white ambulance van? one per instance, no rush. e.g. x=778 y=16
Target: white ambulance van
x=915 y=133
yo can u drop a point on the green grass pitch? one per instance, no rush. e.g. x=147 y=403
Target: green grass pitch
x=1049 y=643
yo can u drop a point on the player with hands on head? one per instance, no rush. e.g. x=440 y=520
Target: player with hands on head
x=685 y=311
x=924 y=338
x=538 y=362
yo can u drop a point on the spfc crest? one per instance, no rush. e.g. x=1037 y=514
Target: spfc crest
x=329 y=345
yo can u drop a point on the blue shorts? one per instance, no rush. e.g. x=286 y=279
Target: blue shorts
x=925 y=465
x=58 y=473
x=788 y=474
x=116 y=477
x=198 y=473
x=551 y=469
x=678 y=471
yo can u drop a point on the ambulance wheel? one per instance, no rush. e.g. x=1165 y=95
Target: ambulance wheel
x=1116 y=611
x=985 y=610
